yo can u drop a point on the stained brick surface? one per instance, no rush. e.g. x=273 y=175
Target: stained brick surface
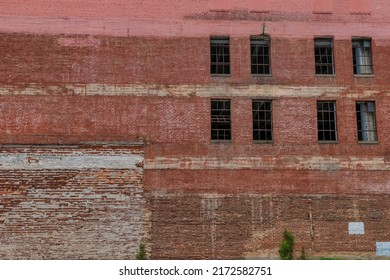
x=98 y=77
x=85 y=213
x=44 y=59
x=245 y=226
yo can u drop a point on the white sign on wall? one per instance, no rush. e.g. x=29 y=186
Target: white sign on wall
x=356 y=228
x=383 y=249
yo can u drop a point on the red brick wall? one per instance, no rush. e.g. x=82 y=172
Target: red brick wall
x=205 y=200
x=75 y=119
x=245 y=226
x=43 y=59
x=280 y=180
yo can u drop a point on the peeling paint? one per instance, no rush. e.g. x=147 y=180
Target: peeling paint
x=178 y=90
x=71 y=203
x=269 y=163
x=63 y=162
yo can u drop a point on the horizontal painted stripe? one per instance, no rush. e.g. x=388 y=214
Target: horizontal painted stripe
x=270 y=163
x=180 y=90
x=28 y=161
x=188 y=28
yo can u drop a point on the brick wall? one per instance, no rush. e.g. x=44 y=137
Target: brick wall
x=71 y=202
x=210 y=226
x=117 y=14
x=108 y=79
x=80 y=59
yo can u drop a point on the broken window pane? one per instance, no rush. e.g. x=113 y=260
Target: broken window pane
x=323 y=52
x=220 y=120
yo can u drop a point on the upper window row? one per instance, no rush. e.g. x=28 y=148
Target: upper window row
x=260 y=48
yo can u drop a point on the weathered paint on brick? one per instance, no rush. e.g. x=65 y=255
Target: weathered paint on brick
x=189 y=90
x=79 y=161
x=271 y=163
x=83 y=210
x=84 y=74
x=194 y=18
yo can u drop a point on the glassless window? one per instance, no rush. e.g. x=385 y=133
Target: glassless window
x=220 y=56
x=362 y=58
x=326 y=121
x=260 y=56
x=220 y=120
x=323 y=52
x=262 y=120
x=366 y=124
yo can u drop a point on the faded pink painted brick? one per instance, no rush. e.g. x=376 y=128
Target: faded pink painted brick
x=259 y=5
x=360 y=6
x=323 y=6
x=219 y=5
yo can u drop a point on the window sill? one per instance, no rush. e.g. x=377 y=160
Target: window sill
x=220 y=75
x=368 y=142
x=328 y=142
x=364 y=75
x=325 y=75
x=221 y=141
x=262 y=142
x=261 y=75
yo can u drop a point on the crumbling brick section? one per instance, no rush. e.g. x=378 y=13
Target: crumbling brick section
x=71 y=202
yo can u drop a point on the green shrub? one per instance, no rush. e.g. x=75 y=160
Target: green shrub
x=141 y=253
x=286 y=247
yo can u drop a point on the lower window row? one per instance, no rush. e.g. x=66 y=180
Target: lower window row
x=262 y=120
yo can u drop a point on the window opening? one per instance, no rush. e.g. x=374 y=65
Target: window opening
x=366 y=124
x=262 y=120
x=362 y=60
x=260 y=56
x=220 y=56
x=220 y=120
x=326 y=121
x=323 y=52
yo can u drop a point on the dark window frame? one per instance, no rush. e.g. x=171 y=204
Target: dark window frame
x=324 y=56
x=260 y=50
x=220 y=56
x=327 y=121
x=362 y=56
x=221 y=125
x=366 y=117
x=262 y=121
